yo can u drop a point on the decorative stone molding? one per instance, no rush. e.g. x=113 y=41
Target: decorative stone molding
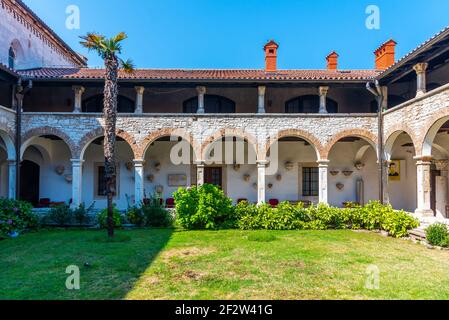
x=45 y=131
x=370 y=137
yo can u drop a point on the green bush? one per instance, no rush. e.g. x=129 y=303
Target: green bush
x=60 y=215
x=135 y=216
x=156 y=216
x=204 y=207
x=103 y=218
x=437 y=234
x=397 y=223
x=15 y=217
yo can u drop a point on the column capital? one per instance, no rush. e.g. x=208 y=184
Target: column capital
x=323 y=163
x=77 y=161
x=139 y=89
x=199 y=163
x=442 y=165
x=420 y=67
x=323 y=90
x=423 y=159
x=261 y=90
x=78 y=89
x=11 y=162
x=262 y=163
x=201 y=89
x=139 y=162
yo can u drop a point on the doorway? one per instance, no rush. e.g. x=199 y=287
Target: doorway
x=29 y=181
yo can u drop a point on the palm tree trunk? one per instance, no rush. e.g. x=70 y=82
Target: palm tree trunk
x=110 y=119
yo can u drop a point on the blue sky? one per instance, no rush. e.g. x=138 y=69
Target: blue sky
x=231 y=33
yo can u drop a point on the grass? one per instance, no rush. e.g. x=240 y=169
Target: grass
x=170 y=264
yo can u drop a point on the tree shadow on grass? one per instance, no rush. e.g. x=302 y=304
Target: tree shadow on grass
x=34 y=266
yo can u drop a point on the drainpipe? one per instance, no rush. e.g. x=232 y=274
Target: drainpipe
x=19 y=95
x=378 y=93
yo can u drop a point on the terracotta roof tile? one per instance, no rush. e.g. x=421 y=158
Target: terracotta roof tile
x=205 y=74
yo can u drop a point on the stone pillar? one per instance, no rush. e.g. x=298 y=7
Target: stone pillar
x=200 y=173
x=12 y=179
x=261 y=168
x=423 y=180
x=79 y=90
x=323 y=167
x=385 y=177
x=323 y=94
x=201 y=92
x=420 y=69
x=441 y=185
x=77 y=182
x=261 y=104
x=385 y=95
x=139 y=100
x=138 y=181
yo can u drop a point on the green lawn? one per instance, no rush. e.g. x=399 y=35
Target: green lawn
x=169 y=264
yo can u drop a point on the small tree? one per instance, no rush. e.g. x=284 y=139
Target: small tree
x=108 y=50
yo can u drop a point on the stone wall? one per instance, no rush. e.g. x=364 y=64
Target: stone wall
x=322 y=131
x=417 y=116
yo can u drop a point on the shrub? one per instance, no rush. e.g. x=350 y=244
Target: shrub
x=156 y=216
x=204 y=207
x=437 y=234
x=60 y=215
x=103 y=218
x=397 y=223
x=16 y=216
x=135 y=216
x=81 y=214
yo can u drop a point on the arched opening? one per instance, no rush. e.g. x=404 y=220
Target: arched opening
x=46 y=171
x=7 y=154
x=400 y=150
x=11 y=58
x=93 y=179
x=352 y=175
x=436 y=145
x=94 y=104
x=169 y=165
x=292 y=173
x=212 y=104
x=309 y=104
x=230 y=162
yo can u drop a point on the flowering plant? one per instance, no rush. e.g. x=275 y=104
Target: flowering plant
x=16 y=216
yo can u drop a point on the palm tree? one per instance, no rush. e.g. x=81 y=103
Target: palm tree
x=108 y=50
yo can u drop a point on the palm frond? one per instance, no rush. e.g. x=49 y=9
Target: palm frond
x=120 y=37
x=127 y=66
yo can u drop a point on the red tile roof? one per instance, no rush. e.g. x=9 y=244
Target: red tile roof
x=203 y=75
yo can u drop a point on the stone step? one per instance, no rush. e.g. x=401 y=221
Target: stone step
x=418 y=234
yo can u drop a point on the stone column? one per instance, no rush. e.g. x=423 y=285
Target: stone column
x=138 y=181
x=323 y=167
x=139 y=100
x=79 y=90
x=201 y=92
x=441 y=183
x=323 y=94
x=261 y=104
x=420 y=69
x=261 y=168
x=423 y=180
x=200 y=173
x=77 y=182
x=385 y=177
x=12 y=179
x=385 y=95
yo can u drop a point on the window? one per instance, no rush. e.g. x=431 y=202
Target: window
x=212 y=104
x=100 y=181
x=310 y=182
x=11 y=58
x=95 y=104
x=309 y=104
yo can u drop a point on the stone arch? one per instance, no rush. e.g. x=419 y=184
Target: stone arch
x=8 y=138
x=99 y=132
x=168 y=132
x=226 y=133
x=366 y=135
x=46 y=131
x=391 y=136
x=431 y=128
x=310 y=138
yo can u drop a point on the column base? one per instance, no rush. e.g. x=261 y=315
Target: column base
x=425 y=212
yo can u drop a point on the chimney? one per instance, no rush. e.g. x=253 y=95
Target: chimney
x=385 y=55
x=332 y=61
x=271 y=56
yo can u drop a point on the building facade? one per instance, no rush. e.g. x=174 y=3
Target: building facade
x=262 y=135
